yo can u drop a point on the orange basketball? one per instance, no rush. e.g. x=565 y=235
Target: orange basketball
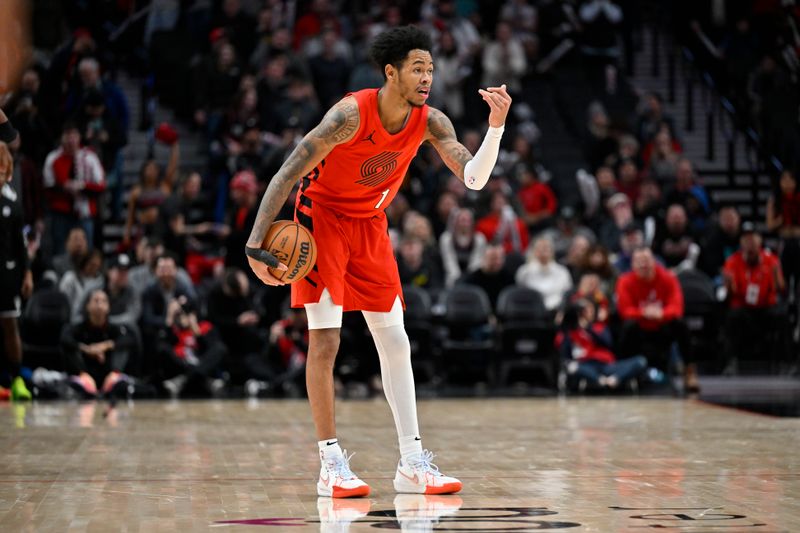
x=294 y=246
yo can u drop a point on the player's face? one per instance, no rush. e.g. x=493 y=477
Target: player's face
x=415 y=77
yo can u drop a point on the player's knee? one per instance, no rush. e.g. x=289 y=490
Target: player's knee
x=323 y=345
x=393 y=340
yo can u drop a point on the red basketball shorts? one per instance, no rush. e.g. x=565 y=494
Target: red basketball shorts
x=355 y=260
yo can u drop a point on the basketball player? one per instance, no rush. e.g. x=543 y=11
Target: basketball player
x=15 y=276
x=352 y=165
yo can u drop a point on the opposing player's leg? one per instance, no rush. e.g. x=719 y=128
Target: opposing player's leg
x=415 y=471
x=12 y=344
x=324 y=324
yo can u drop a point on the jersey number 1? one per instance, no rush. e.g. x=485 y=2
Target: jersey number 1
x=384 y=194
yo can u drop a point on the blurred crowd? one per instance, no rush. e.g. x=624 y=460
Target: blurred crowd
x=172 y=308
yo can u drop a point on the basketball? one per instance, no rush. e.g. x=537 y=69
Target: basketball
x=294 y=246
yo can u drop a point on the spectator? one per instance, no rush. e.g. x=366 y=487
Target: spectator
x=503 y=226
x=567 y=229
x=189 y=231
x=233 y=313
x=90 y=79
x=461 y=247
x=598 y=263
x=284 y=368
x=100 y=130
x=446 y=205
x=75 y=282
x=28 y=110
x=147 y=196
x=103 y=134
x=190 y=350
x=601 y=20
x=451 y=70
x=73 y=180
x=661 y=159
x=537 y=199
x=504 y=60
x=238 y=26
x=493 y=276
x=649 y=204
x=95 y=350
x=586 y=349
x=143 y=275
x=650 y=304
x=620 y=217
x=754 y=280
x=676 y=244
x=244 y=193
x=216 y=83
x=629 y=182
x=590 y=289
x=329 y=70
x=721 y=241
x=543 y=274
x=783 y=216
x=652 y=118
x=242 y=116
x=76 y=248
x=631 y=238
x=599 y=144
x=606 y=184
x=687 y=192
x=125 y=306
x=415 y=267
x=577 y=256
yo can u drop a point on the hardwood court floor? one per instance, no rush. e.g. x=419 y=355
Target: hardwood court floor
x=591 y=464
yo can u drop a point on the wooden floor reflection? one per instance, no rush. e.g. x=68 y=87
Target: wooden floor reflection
x=600 y=465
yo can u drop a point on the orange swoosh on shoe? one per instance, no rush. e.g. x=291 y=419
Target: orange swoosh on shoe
x=414 y=479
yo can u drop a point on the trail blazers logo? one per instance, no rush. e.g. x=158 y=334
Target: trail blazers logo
x=377 y=169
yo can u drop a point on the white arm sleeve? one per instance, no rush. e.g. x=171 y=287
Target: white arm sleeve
x=479 y=168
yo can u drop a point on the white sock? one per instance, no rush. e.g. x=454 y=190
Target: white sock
x=394 y=352
x=410 y=447
x=329 y=449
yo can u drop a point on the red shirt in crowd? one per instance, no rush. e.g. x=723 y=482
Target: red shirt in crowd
x=754 y=286
x=82 y=167
x=586 y=346
x=537 y=197
x=489 y=225
x=635 y=293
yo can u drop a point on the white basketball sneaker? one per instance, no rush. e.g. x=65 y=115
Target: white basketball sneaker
x=421 y=476
x=422 y=512
x=338 y=481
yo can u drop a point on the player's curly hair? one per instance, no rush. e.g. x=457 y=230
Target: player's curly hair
x=391 y=47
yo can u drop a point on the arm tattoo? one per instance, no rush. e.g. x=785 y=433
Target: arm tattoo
x=338 y=126
x=442 y=136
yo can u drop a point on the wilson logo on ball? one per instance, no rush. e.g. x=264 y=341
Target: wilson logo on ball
x=293 y=245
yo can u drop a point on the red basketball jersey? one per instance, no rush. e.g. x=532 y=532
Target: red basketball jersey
x=361 y=177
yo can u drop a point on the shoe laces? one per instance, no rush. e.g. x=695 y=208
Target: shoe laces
x=341 y=466
x=424 y=463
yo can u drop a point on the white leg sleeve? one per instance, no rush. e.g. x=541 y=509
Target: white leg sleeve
x=394 y=352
